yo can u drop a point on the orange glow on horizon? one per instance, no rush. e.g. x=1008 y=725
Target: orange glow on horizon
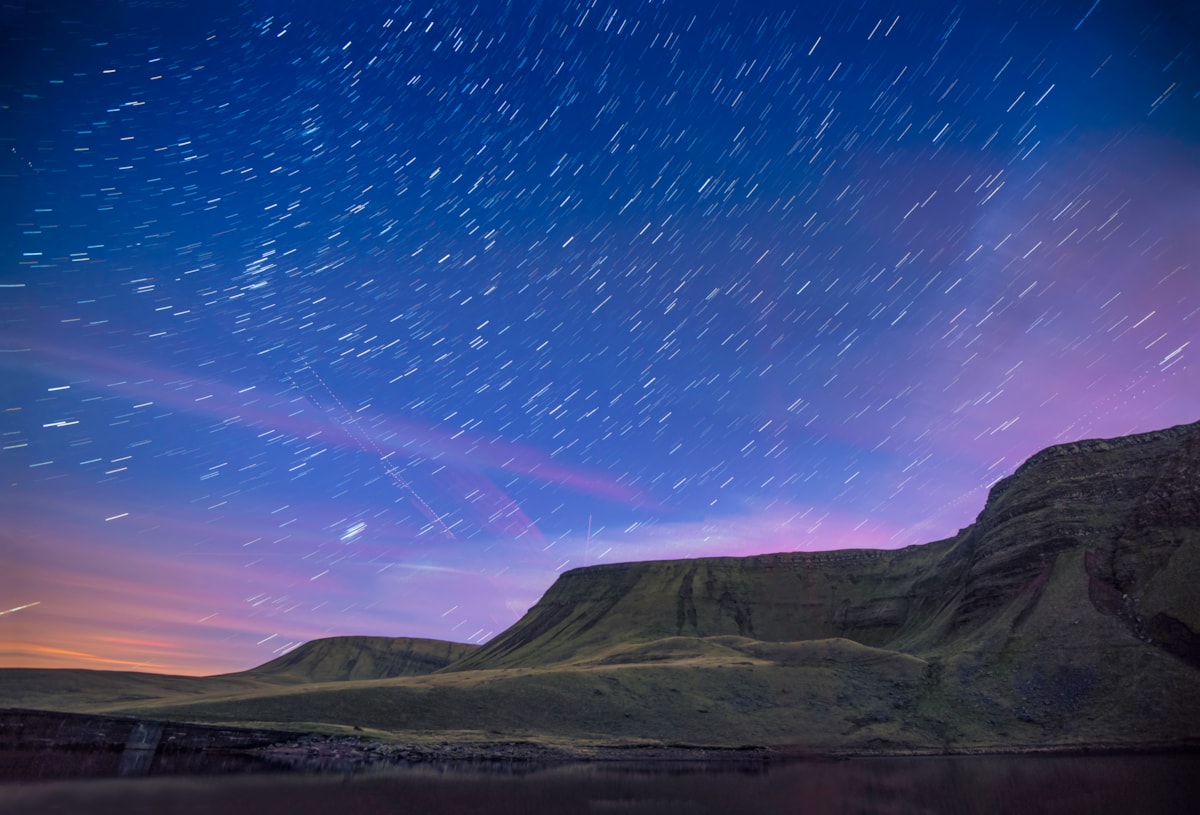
x=45 y=656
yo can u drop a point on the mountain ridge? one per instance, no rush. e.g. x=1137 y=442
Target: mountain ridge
x=939 y=591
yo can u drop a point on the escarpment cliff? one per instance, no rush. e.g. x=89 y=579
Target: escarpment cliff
x=869 y=596
x=1067 y=614
x=1127 y=509
x=1127 y=503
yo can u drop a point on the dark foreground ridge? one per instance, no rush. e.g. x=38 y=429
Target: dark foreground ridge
x=1065 y=618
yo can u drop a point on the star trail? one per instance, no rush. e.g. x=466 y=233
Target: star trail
x=373 y=317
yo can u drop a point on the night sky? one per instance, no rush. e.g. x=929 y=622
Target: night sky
x=372 y=317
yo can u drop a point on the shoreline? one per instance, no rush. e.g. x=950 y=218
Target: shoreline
x=43 y=745
x=372 y=753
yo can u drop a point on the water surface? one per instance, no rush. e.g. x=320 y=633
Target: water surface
x=1019 y=784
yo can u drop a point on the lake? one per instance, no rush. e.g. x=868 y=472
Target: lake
x=978 y=784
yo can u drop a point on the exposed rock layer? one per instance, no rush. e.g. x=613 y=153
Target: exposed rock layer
x=1131 y=506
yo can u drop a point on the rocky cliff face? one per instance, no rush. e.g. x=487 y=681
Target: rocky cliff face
x=1068 y=613
x=1129 y=504
x=1128 y=509
x=867 y=596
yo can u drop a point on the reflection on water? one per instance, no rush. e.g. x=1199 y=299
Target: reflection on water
x=50 y=763
x=1024 y=784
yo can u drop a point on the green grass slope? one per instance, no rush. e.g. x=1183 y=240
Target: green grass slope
x=331 y=659
x=339 y=659
x=871 y=597
x=725 y=690
x=86 y=691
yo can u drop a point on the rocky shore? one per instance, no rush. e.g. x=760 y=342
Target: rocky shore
x=37 y=744
x=44 y=745
x=349 y=752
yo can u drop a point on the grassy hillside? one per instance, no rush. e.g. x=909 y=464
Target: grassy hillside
x=713 y=691
x=339 y=659
x=867 y=596
x=331 y=659
x=818 y=696
x=86 y=691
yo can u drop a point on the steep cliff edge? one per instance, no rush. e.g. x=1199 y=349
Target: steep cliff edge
x=1128 y=509
x=863 y=595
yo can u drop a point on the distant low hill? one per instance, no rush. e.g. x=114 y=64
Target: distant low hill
x=332 y=659
x=1066 y=616
x=343 y=659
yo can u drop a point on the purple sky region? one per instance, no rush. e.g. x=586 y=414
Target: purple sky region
x=374 y=317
